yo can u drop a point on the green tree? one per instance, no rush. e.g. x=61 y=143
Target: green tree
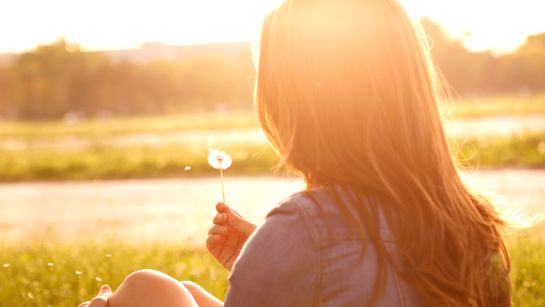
x=465 y=72
x=43 y=80
x=525 y=68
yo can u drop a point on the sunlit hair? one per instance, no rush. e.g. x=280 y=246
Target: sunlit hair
x=347 y=94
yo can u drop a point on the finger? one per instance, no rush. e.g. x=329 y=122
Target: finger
x=220 y=218
x=238 y=222
x=218 y=230
x=232 y=212
x=214 y=240
x=84 y=304
x=220 y=207
x=99 y=301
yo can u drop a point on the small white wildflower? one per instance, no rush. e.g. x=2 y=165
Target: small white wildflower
x=108 y=255
x=30 y=296
x=6 y=265
x=50 y=264
x=187 y=168
x=98 y=279
x=77 y=273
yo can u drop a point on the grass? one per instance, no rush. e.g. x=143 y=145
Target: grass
x=528 y=271
x=98 y=128
x=46 y=151
x=527 y=150
x=115 y=162
x=65 y=275
x=57 y=275
x=128 y=162
x=509 y=105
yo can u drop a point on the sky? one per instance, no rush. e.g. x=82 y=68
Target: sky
x=498 y=25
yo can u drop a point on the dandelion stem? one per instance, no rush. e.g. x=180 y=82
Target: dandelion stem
x=222 y=187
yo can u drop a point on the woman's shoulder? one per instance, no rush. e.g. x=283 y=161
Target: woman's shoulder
x=311 y=202
x=324 y=211
x=291 y=215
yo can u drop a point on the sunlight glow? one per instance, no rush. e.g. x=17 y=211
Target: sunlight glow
x=120 y=24
x=104 y=24
x=484 y=24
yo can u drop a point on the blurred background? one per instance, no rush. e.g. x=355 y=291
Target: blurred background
x=108 y=109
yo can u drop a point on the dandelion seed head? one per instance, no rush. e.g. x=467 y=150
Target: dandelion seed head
x=219 y=159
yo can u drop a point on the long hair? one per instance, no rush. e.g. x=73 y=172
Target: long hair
x=347 y=94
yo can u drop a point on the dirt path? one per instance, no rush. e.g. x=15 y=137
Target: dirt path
x=178 y=210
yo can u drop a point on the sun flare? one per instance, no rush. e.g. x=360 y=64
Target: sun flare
x=124 y=24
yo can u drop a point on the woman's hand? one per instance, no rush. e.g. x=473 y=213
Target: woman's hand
x=101 y=300
x=228 y=234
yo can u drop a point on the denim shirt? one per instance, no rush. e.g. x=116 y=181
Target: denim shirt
x=307 y=255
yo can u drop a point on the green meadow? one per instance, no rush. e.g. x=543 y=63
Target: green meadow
x=506 y=105
x=98 y=128
x=105 y=127
x=172 y=160
x=98 y=149
x=66 y=275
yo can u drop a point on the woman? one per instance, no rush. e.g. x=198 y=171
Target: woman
x=347 y=94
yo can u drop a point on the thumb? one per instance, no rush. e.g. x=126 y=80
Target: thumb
x=238 y=222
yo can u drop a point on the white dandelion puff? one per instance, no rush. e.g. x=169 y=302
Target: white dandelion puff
x=219 y=160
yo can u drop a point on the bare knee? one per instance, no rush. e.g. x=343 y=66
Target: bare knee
x=149 y=279
x=151 y=288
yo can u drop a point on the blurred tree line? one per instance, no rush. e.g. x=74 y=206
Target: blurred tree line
x=482 y=73
x=58 y=79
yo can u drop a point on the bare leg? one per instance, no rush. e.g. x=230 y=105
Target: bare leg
x=201 y=296
x=151 y=288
